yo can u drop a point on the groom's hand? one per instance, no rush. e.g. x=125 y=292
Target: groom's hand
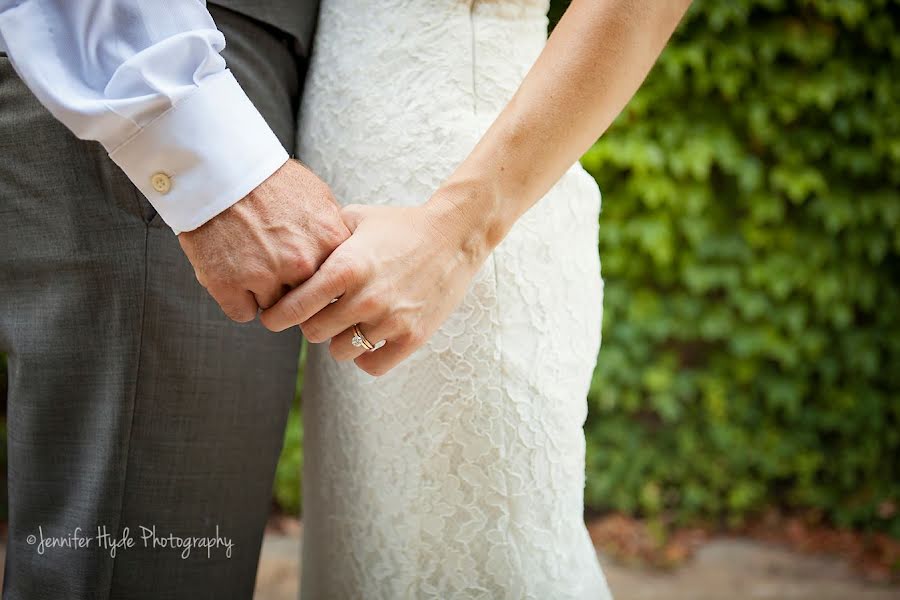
x=270 y=241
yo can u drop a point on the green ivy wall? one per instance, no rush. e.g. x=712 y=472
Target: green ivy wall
x=750 y=240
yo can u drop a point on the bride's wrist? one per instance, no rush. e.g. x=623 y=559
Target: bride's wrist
x=470 y=214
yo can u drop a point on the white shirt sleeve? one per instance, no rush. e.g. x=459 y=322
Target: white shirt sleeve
x=146 y=80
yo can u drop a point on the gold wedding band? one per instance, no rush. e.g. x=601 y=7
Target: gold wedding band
x=359 y=340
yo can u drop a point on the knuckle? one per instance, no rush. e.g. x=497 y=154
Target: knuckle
x=344 y=275
x=402 y=324
x=371 y=304
x=303 y=265
x=336 y=236
x=394 y=323
x=347 y=271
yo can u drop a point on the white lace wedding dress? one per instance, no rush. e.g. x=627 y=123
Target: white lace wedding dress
x=460 y=474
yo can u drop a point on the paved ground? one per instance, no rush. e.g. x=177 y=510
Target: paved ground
x=725 y=569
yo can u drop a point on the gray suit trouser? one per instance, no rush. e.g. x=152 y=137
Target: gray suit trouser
x=133 y=401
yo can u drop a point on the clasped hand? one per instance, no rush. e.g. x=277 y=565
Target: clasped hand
x=396 y=272
x=398 y=277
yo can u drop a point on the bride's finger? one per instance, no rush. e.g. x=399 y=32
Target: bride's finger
x=342 y=347
x=333 y=279
x=339 y=316
x=384 y=359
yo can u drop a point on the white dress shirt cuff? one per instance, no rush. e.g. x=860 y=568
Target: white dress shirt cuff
x=202 y=155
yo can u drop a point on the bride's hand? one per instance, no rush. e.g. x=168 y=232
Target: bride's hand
x=398 y=276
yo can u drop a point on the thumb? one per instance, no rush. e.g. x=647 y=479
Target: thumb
x=353 y=214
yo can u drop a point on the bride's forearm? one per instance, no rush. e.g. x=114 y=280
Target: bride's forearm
x=593 y=63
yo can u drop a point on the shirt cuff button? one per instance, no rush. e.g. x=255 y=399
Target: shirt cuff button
x=161 y=182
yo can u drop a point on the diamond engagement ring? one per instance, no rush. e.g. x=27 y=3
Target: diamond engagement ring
x=359 y=340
